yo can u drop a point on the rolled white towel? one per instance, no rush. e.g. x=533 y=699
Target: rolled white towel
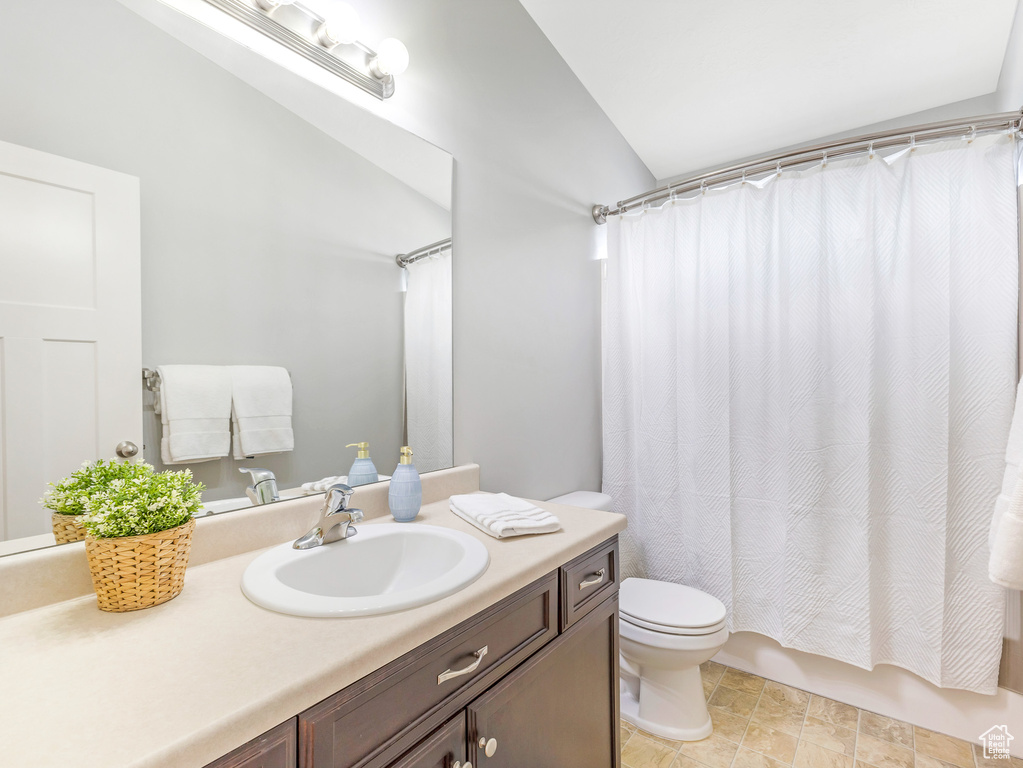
x=503 y=516
x=322 y=485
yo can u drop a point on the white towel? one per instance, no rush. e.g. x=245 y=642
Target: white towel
x=321 y=485
x=195 y=413
x=502 y=515
x=261 y=410
x=1006 y=536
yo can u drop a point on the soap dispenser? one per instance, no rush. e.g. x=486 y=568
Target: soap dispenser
x=362 y=471
x=405 y=495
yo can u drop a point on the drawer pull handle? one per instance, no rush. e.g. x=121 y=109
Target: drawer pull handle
x=458 y=764
x=593 y=581
x=489 y=747
x=448 y=674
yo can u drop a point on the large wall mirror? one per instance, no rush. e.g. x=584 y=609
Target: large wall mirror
x=269 y=226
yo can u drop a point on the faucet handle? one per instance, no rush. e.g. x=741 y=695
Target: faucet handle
x=336 y=499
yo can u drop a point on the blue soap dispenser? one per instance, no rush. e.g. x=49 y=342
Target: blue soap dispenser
x=405 y=496
x=362 y=471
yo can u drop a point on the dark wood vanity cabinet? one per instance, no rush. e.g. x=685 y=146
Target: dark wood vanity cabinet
x=532 y=680
x=277 y=748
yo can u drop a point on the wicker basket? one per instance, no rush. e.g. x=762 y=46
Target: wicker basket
x=66 y=528
x=133 y=572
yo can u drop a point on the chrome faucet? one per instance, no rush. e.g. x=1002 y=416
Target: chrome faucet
x=264 y=485
x=335 y=519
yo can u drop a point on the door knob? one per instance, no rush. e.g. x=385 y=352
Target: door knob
x=126 y=449
x=489 y=747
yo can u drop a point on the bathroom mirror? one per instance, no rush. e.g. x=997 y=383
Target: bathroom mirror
x=271 y=215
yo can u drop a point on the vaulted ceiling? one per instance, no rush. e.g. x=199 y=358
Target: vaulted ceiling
x=691 y=84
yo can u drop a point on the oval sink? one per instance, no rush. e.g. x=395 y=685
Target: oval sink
x=384 y=568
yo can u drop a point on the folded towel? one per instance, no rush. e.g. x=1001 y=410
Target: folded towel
x=1006 y=564
x=195 y=413
x=502 y=515
x=260 y=410
x=321 y=485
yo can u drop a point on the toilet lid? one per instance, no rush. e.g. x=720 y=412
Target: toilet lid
x=661 y=605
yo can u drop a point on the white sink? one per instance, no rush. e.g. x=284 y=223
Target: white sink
x=386 y=567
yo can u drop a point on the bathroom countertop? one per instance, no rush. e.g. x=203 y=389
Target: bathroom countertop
x=183 y=683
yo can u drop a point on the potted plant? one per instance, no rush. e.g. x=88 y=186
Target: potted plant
x=139 y=534
x=67 y=499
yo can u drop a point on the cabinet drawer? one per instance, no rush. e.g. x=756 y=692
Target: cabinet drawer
x=377 y=719
x=444 y=748
x=277 y=748
x=587 y=580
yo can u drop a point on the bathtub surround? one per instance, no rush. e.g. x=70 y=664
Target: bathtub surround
x=808 y=437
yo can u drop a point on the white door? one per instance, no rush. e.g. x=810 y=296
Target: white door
x=70 y=325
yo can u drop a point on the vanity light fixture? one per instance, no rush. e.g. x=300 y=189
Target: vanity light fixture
x=326 y=33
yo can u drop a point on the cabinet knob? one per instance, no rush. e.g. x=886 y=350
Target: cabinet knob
x=489 y=747
x=458 y=764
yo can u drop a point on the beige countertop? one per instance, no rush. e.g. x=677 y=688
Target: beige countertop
x=185 y=682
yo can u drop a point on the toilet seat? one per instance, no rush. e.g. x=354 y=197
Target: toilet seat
x=672 y=609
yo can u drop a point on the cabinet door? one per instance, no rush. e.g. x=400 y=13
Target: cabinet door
x=277 y=748
x=560 y=708
x=445 y=748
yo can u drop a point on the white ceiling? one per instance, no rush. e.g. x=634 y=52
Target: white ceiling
x=695 y=83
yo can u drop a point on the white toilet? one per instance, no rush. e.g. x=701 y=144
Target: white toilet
x=665 y=632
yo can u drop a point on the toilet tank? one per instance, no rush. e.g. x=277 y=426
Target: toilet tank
x=585 y=499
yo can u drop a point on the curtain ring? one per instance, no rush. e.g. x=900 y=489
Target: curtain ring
x=778 y=168
x=870 y=151
x=703 y=187
x=824 y=159
x=912 y=143
x=973 y=134
x=744 y=176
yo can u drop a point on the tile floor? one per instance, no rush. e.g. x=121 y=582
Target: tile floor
x=762 y=724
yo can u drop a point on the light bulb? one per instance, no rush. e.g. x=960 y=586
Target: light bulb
x=269 y=5
x=341 y=25
x=391 y=59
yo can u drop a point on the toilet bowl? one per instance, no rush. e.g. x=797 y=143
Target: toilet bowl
x=666 y=631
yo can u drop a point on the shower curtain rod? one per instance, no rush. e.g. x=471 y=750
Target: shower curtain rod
x=965 y=127
x=433 y=249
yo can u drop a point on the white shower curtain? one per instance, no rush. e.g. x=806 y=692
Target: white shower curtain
x=428 y=396
x=808 y=386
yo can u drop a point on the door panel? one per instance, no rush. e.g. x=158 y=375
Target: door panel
x=70 y=324
x=559 y=709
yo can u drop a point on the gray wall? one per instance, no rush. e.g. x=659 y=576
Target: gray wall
x=264 y=241
x=533 y=152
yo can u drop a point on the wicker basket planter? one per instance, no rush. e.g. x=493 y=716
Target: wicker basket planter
x=66 y=528
x=133 y=572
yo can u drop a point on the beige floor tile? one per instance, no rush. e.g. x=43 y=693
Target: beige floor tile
x=736 y=702
x=943 y=747
x=987 y=762
x=713 y=752
x=744 y=758
x=624 y=738
x=882 y=754
x=711 y=670
x=786 y=695
x=829 y=736
x=811 y=756
x=627 y=725
x=708 y=688
x=783 y=717
x=886 y=729
x=681 y=761
x=742 y=681
x=641 y=752
x=923 y=761
x=671 y=744
x=767 y=741
x=727 y=725
x=831 y=711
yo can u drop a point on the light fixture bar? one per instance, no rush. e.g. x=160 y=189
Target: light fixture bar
x=381 y=88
